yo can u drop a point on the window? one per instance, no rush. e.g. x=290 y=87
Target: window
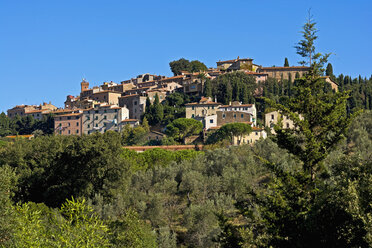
x=105 y=117
x=96 y=111
x=135 y=102
x=242 y=115
x=96 y=118
x=68 y=124
x=96 y=125
x=88 y=126
x=77 y=124
x=272 y=117
x=69 y=131
x=77 y=131
x=88 y=118
x=77 y=118
x=287 y=125
x=234 y=116
x=105 y=111
x=212 y=107
x=69 y=118
x=256 y=133
x=211 y=121
x=223 y=116
x=193 y=116
x=116 y=110
x=193 y=108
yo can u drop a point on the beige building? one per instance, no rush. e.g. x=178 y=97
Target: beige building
x=130 y=122
x=103 y=117
x=237 y=64
x=238 y=106
x=272 y=118
x=34 y=110
x=68 y=124
x=135 y=103
x=225 y=117
x=209 y=121
x=284 y=72
x=109 y=97
x=333 y=84
x=256 y=134
x=204 y=107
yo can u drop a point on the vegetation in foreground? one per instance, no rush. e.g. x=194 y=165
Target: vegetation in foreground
x=305 y=187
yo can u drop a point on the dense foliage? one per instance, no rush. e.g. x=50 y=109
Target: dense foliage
x=25 y=125
x=195 y=199
x=185 y=65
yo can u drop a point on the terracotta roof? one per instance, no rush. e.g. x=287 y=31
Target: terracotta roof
x=282 y=67
x=106 y=91
x=37 y=111
x=129 y=120
x=202 y=103
x=73 y=114
x=254 y=73
x=257 y=129
x=129 y=95
x=215 y=128
x=170 y=78
x=236 y=106
x=20 y=136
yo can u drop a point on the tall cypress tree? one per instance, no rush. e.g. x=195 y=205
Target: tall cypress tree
x=329 y=70
x=286 y=64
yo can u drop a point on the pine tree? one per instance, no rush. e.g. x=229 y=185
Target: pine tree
x=306 y=48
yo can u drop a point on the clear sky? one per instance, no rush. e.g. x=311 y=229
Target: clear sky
x=47 y=47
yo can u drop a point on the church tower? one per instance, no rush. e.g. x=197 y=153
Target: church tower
x=84 y=85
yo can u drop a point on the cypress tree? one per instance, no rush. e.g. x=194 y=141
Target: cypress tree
x=208 y=88
x=286 y=64
x=329 y=70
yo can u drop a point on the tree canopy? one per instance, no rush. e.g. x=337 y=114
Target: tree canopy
x=185 y=65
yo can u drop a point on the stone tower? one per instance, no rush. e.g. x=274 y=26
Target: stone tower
x=84 y=85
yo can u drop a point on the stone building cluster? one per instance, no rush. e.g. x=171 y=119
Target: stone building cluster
x=111 y=106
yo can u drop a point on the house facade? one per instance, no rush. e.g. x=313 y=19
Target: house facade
x=103 y=118
x=238 y=106
x=68 y=124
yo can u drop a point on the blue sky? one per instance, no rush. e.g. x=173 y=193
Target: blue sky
x=47 y=47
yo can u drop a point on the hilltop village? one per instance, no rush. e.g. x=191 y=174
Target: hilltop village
x=113 y=106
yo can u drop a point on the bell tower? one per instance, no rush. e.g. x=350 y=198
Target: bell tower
x=84 y=85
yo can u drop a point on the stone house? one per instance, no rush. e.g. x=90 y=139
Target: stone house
x=135 y=103
x=34 y=110
x=238 y=106
x=225 y=117
x=130 y=122
x=106 y=96
x=68 y=124
x=282 y=72
x=103 y=117
x=256 y=134
x=204 y=107
x=237 y=64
